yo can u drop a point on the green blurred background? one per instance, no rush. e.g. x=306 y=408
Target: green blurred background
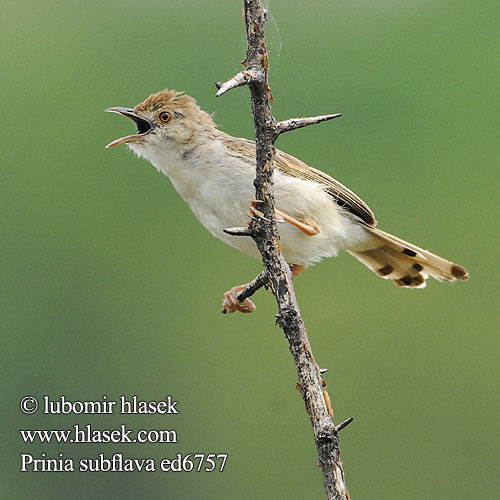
x=110 y=286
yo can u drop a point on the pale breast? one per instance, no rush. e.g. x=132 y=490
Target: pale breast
x=218 y=187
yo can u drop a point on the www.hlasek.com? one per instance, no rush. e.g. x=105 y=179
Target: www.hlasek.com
x=88 y=434
x=114 y=462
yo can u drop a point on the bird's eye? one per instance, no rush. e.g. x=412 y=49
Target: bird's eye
x=164 y=117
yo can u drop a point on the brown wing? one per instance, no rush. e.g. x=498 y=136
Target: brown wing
x=343 y=196
x=293 y=167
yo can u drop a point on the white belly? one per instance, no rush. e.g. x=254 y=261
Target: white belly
x=219 y=194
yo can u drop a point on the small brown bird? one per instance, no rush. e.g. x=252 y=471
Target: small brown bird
x=214 y=172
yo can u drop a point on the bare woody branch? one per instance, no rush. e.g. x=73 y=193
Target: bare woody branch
x=263 y=230
x=242 y=78
x=258 y=282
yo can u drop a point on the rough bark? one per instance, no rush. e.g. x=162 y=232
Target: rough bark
x=263 y=230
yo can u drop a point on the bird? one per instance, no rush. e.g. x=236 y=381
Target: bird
x=213 y=172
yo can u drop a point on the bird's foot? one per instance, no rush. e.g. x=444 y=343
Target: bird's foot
x=254 y=213
x=231 y=304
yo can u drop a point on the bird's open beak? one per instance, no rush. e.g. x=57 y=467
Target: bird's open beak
x=144 y=126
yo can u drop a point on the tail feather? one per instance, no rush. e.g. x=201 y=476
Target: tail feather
x=406 y=264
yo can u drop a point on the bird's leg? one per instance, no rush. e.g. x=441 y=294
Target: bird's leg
x=237 y=299
x=310 y=226
x=253 y=212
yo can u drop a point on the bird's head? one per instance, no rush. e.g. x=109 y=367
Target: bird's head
x=166 y=120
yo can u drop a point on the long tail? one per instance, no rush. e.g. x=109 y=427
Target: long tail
x=406 y=264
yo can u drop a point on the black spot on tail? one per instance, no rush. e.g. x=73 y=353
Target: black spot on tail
x=418 y=280
x=409 y=252
x=459 y=272
x=384 y=271
x=418 y=267
x=405 y=281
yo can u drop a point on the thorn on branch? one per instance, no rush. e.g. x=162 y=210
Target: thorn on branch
x=323 y=370
x=344 y=424
x=294 y=123
x=239 y=231
x=242 y=78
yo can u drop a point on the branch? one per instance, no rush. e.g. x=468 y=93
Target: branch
x=265 y=234
x=258 y=282
x=242 y=78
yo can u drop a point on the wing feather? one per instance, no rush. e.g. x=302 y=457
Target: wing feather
x=289 y=165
